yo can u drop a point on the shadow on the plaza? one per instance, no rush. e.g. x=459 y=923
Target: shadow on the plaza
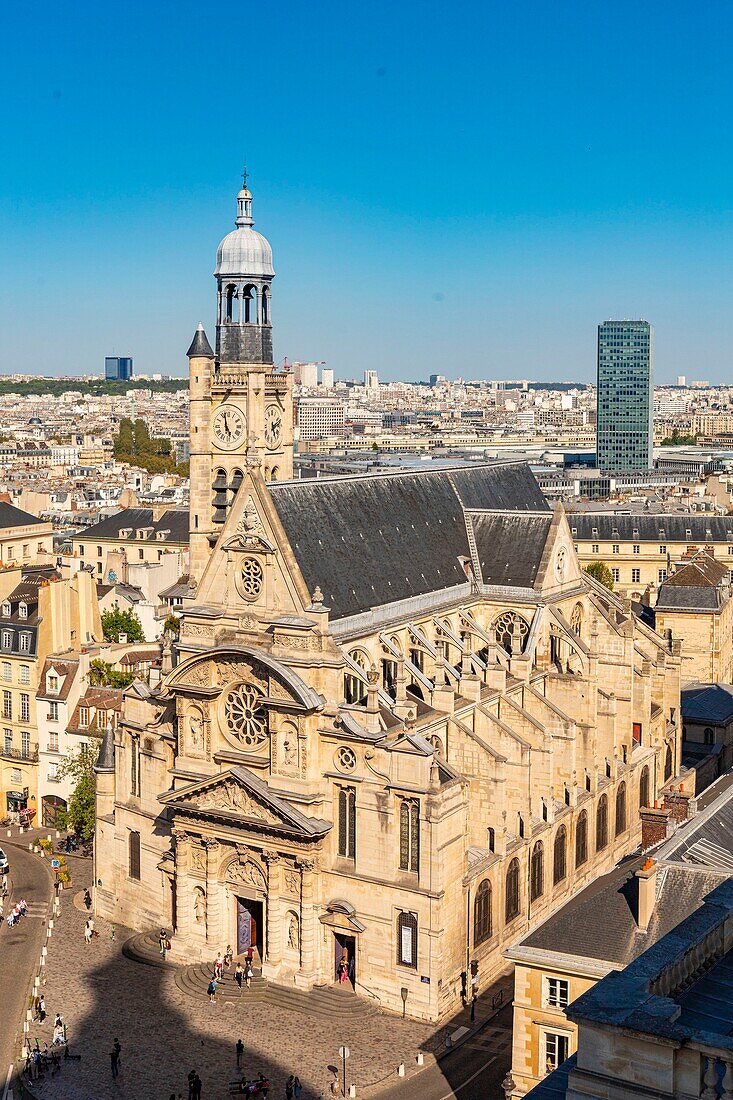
x=165 y=1032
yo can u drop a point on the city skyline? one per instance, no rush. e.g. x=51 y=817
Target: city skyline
x=489 y=188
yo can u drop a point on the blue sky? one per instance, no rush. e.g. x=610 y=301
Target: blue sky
x=462 y=188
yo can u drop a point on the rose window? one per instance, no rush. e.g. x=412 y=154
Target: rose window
x=346 y=759
x=251 y=578
x=246 y=715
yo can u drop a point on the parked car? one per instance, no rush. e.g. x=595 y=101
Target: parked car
x=4 y=865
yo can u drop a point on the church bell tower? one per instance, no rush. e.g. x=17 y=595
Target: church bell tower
x=241 y=408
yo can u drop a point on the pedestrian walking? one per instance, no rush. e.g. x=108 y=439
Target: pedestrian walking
x=191 y=1079
x=289 y=1088
x=114 y=1059
x=41 y=1008
x=219 y=966
x=87 y=934
x=212 y=990
x=113 y=932
x=118 y=1047
x=197 y=1087
x=248 y=974
x=87 y=899
x=297 y=1088
x=228 y=956
x=240 y=1052
x=57 y=886
x=239 y=974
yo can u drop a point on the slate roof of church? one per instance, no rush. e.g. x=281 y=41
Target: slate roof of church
x=369 y=541
x=510 y=546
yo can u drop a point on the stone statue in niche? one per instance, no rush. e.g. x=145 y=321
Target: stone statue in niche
x=199 y=905
x=196 y=733
x=293 y=934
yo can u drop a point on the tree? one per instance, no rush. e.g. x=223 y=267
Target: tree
x=101 y=674
x=172 y=624
x=116 y=622
x=601 y=573
x=678 y=440
x=81 y=813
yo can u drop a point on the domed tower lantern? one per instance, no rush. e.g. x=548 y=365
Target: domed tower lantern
x=244 y=275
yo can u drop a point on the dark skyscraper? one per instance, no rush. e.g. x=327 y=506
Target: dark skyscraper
x=625 y=393
x=118 y=368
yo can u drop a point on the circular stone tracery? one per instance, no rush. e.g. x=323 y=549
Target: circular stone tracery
x=246 y=714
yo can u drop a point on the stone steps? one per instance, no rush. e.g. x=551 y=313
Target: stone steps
x=145 y=948
x=326 y=1001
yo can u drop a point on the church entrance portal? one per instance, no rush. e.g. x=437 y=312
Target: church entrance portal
x=344 y=958
x=249 y=925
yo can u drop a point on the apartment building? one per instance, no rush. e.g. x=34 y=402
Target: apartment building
x=40 y=613
x=134 y=535
x=641 y=550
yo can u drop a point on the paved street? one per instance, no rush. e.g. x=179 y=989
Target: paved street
x=165 y=1032
x=20 y=947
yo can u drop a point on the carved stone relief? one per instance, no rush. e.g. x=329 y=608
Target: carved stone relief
x=249 y=874
x=198 y=860
x=230 y=796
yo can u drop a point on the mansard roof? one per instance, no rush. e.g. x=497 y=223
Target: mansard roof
x=172 y=527
x=369 y=541
x=662 y=527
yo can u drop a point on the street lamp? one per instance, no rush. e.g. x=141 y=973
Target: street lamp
x=403 y=994
x=344 y=1053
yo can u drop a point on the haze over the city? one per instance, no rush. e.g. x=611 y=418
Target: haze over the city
x=470 y=202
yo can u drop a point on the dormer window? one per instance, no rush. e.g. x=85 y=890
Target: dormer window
x=83 y=717
x=125 y=532
x=53 y=682
x=7 y=610
x=161 y=536
x=22 y=610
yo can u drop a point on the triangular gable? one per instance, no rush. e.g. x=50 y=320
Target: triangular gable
x=559 y=569
x=253 y=531
x=237 y=794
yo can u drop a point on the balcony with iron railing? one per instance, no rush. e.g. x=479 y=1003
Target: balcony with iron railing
x=29 y=755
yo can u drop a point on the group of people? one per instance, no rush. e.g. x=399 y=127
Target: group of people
x=18 y=911
x=89 y=931
x=194 y=1086
x=243 y=972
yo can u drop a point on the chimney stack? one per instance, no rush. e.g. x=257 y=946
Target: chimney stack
x=647 y=885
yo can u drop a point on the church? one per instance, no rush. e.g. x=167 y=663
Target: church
x=399 y=726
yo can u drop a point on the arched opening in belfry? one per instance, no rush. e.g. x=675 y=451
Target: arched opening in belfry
x=230 y=303
x=250 y=305
x=265 y=305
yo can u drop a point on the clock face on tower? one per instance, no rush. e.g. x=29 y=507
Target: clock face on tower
x=229 y=426
x=273 y=426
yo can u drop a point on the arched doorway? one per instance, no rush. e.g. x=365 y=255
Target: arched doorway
x=51 y=806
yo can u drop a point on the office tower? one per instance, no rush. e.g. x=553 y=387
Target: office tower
x=371 y=380
x=624 y=424
x=327 y=378
x=682 y=380
x=306 y=374
x=118 y=368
